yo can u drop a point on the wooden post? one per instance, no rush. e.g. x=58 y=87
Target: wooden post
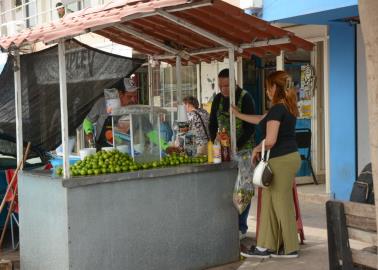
x=368 y=10
x=339 y=253
x=11 y=182
x=6 y=264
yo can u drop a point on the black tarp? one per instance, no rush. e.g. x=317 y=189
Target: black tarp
x=89 y=72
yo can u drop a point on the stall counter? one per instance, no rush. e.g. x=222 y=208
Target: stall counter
x=168 y=218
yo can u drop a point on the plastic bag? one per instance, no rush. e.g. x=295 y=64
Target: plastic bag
x=71 y=144
x=243 y=190
x=111 y=100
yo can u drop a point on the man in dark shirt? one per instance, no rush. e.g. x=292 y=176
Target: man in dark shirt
x=220 y=118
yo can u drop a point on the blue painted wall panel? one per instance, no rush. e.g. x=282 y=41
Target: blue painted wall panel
x=304 y=170
x=274 y=10
x=324 y=17
x=342 y=109
x=3 y=188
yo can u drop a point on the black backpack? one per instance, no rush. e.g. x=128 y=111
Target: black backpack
x=363 y=191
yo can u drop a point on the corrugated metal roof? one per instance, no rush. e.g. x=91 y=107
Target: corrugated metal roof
x=144 y=26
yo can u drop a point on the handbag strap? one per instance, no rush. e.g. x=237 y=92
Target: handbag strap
x=263 y=152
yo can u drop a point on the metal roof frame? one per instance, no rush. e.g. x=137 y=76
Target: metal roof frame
x=184 y=31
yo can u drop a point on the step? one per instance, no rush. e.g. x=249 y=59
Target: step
x=314 y=197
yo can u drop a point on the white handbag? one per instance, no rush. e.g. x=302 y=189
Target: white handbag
x=263 y=175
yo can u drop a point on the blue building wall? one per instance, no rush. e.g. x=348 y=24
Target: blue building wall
x=342 y=78
x=275 y=10
x=342 y=102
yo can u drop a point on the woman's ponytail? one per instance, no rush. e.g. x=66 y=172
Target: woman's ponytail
x=285 y=92
x=291 y=101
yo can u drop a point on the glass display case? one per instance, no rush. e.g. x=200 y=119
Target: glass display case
x=137 y=131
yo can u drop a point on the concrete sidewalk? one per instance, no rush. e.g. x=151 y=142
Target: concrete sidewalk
x=313 y=253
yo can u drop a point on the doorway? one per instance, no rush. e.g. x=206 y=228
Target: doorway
x=307 y=72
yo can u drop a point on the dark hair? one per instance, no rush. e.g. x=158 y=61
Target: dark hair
x=285 y=93
x=59 y=4
x=224 y=73
x=192 y=101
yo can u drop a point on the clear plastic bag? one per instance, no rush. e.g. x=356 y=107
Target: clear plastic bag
x=244 y=189
x=112 y=100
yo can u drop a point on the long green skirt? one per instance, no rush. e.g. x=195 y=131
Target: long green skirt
x=277 y=220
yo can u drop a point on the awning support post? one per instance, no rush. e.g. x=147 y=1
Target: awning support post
x=280 y=61
x=149 y=74
x=231 y=58
x=18 y=105
x=239 y=68
x=63 y=107
x=178 y=80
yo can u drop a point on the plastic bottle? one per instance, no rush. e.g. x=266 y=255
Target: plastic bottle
x=225 y=145
x=210 y=152
x=91 y=143
x=217 y=155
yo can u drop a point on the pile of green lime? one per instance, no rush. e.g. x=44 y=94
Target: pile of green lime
x=176 y=159
x=104 y=162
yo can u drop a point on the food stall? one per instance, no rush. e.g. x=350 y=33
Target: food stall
x=176 y=217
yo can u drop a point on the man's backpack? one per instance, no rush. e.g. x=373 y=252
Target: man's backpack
x=363 y=191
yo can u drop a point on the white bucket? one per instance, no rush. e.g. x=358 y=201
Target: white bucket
x=123 y=149
x=86 y=152
x=108 y=148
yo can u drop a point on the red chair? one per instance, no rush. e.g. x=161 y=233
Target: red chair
x=9 y=198
x=297 y=213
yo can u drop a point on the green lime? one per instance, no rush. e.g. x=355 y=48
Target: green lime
x=59 y=171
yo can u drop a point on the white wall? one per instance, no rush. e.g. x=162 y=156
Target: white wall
x=362 y=106
x=209 y=78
